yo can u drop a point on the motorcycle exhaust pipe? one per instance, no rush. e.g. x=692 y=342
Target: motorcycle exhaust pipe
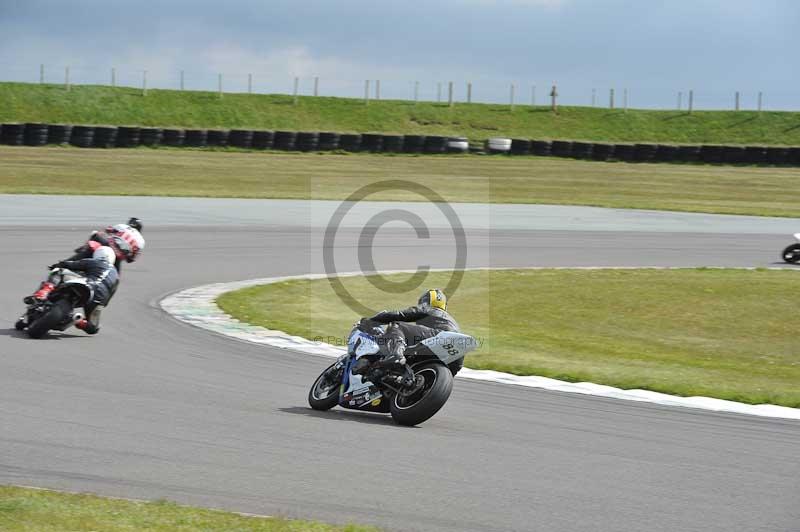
x=76 y=317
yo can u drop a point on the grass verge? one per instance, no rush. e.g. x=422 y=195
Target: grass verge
x=203 y=173
x=84 y=104
x=729 y=334
x=33 y=510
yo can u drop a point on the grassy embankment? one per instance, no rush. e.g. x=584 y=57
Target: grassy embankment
x=25 y=102
x=185 y=172
x=32 y=510
x=729 y=334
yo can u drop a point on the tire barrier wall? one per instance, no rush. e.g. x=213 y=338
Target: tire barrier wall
x=86 y=136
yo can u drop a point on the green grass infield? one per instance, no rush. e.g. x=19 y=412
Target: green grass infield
x=34 y=510
x=725 y=333
x=462 y=178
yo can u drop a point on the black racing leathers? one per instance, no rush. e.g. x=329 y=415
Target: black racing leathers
x=426 y=316
x=103 y=279
x=430 y=321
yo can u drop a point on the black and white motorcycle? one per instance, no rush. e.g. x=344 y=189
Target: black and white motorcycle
x=792 y=253
x=57 y=312
x=412 y=393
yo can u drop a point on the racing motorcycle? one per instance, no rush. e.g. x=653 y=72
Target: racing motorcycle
x=57 y=312
x=792 y=253
x=411 y=393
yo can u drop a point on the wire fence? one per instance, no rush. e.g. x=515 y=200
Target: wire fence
x=507 y=92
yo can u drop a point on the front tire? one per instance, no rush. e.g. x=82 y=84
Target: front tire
x=50 y=319
x=324 y=393
x=21 y=324
x=791 y=254
x=422 y=405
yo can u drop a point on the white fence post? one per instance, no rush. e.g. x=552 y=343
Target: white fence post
x=219 y=85
x=450 y=93
x=144 y=83
x=41 y=73
x=66 y=78
x=113 y=77
x=533 y=95
x=416 y=91
x=611 y=99
x=316 y=85
x=181 y=79
x=594 y=97
x=680 y=100
x=625 y=100
x=760 y=100
x=366 y=92
x=736 y=106
x=249 y=83
x=691 y=101
x=296 y=87
x=554 y=96
x=377 y=89
x=511 y=97
x=469 y=92
x=439 y=92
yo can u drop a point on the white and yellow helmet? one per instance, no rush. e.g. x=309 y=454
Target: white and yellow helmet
x=434 y=298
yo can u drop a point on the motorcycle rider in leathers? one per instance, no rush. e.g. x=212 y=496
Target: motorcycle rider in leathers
x=101 y=275
x=124 y=239
x=430 y=316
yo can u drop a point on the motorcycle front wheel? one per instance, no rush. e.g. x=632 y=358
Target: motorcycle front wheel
x=791 y=254
x=49 y=319
x=422 y=404
x=324 y=393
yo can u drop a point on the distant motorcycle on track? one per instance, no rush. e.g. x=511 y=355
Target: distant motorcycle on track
x=792 y=252
x=412 y=394
x=57 y=312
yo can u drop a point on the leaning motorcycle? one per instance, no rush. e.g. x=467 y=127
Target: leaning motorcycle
x=411 y=393
x=792 y=253
x=57 y=312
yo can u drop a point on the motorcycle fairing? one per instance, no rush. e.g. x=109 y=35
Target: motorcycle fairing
x=355 y=392
x=450 y=346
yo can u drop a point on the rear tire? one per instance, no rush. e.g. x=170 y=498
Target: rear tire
x=53 y=317
x=791 y=254
x=322 y=395
x=423 y=405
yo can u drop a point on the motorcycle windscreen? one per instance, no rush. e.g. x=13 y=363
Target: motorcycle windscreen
x=450 y=346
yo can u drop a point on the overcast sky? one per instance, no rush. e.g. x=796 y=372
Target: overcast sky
x=654 y=48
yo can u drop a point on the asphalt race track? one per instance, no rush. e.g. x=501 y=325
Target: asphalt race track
x=152 y=408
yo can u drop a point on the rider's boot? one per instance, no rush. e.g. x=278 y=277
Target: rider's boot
x=395 y=349
x=41 y=294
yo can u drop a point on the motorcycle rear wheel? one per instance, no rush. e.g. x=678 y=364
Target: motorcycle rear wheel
x=791 y=254
x=324 y=394
x=422 y=405
x=50 y=319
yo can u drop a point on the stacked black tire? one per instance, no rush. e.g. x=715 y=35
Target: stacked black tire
x=307 y=141
x=173 y=137
x=285 y=140
x=59 y=133
x=105 y=137
x=35 y=134
x=195 y=138
x=13 y=134
x=38 y=134
x=128 y=136
x=82 y=136
x=328 y=141
x=241 y=138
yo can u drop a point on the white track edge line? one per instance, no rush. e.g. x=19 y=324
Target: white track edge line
x=197 y=307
